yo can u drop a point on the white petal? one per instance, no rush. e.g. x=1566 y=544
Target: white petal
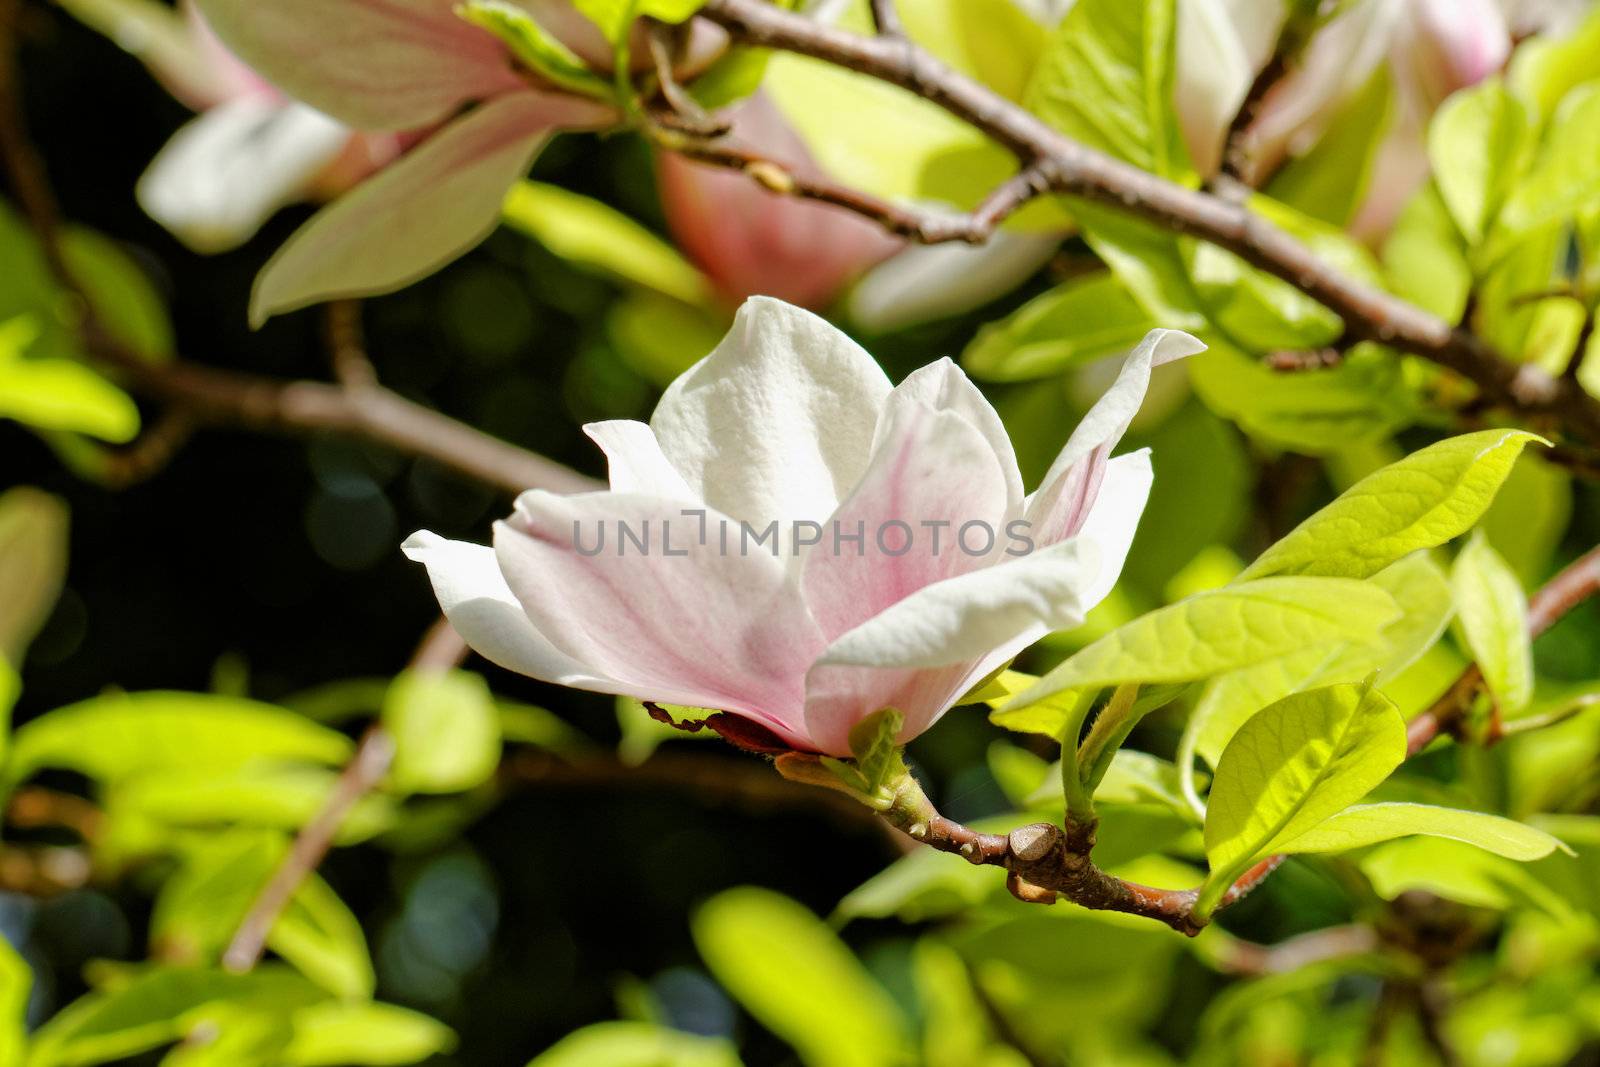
x=481 y=607
x=1005 y=608
x=224 y=173
x=679 y=620
x=435 y=203
x=777 y=422
x=1061 y=504
x=636 y=462
x=927 y=282
x=967 y=617
x=943 y=386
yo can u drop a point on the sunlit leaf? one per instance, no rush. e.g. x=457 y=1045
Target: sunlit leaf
x=1292 y=766
x=1223 y=630
x=338 y=1034
x=1493 y=615
x=799 y=980
x=446 y=731
x=1424 y=500
x=33 y=565
x=636 y=1044
x=1369 y=824
x=1562 y=181
x=59 y=394
x=1475 y=143
x=534 y=45
x=599 y=237
x=122 y=735
x=1073 y=324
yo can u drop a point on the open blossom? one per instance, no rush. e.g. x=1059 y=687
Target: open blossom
x=805 y=545
x=403 y=65
x=250 y=151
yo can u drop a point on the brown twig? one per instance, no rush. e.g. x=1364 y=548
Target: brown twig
x=922 y=226
x=1575 y=583
x=441 y=649
x=361 y=409
x=1043 y=860
x=886 y=19
x=1067 y=166
x=1332 y=943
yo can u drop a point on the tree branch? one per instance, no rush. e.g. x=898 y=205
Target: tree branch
x=440 y=650
x=1044 y=861
x=1066 y=166
x=359 y=408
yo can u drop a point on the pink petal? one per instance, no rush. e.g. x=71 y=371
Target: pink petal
x=709 y=628
x=1062 y=503
x=929 y=467
x=435 y=203
x=372 y=64
x=942 y=385
x=755 y=242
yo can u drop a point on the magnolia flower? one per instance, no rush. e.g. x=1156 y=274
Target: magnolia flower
x=751 y=241
x=250 y=151
x=405 y=65
x=1433 y=47
x=806 y=545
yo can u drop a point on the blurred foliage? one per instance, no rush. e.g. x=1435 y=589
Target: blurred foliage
x=544 y=875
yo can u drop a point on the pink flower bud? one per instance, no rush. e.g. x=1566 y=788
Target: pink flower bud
x=752 y=241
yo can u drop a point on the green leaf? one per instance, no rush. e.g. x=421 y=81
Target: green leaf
x=33 y=565
x=1563 y=181
x=1475 y=144
x=636 y=1044
x=994 y=41
x=125 y=302
x=1457 y=871
x=1425 y=259
x=1330 y=181
x=119 y=736
x=1366 y=397
x=1223 y=630
x=1492 y=612
x=339 y=1034
x=1369 y=824
x=599 y=237
x=1106 y=78
x=322 y=938
x=1545 y=69
x=535 y=46
x=158 y=1006
x=1075 y=323
x=880 y=139
x=1292 y=766
x=266 y=794
x=799 y=980
x=59 y=394
x=16 y=987
x=615 y=17
x=955 y=1033
x=1054 y=716
x=659 y=337
x=1424 y=500
x=1253 y=308
x=1421 y=591
x=1529 y=516
x=878 y=764
x=200 y=908
x=446 y=731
